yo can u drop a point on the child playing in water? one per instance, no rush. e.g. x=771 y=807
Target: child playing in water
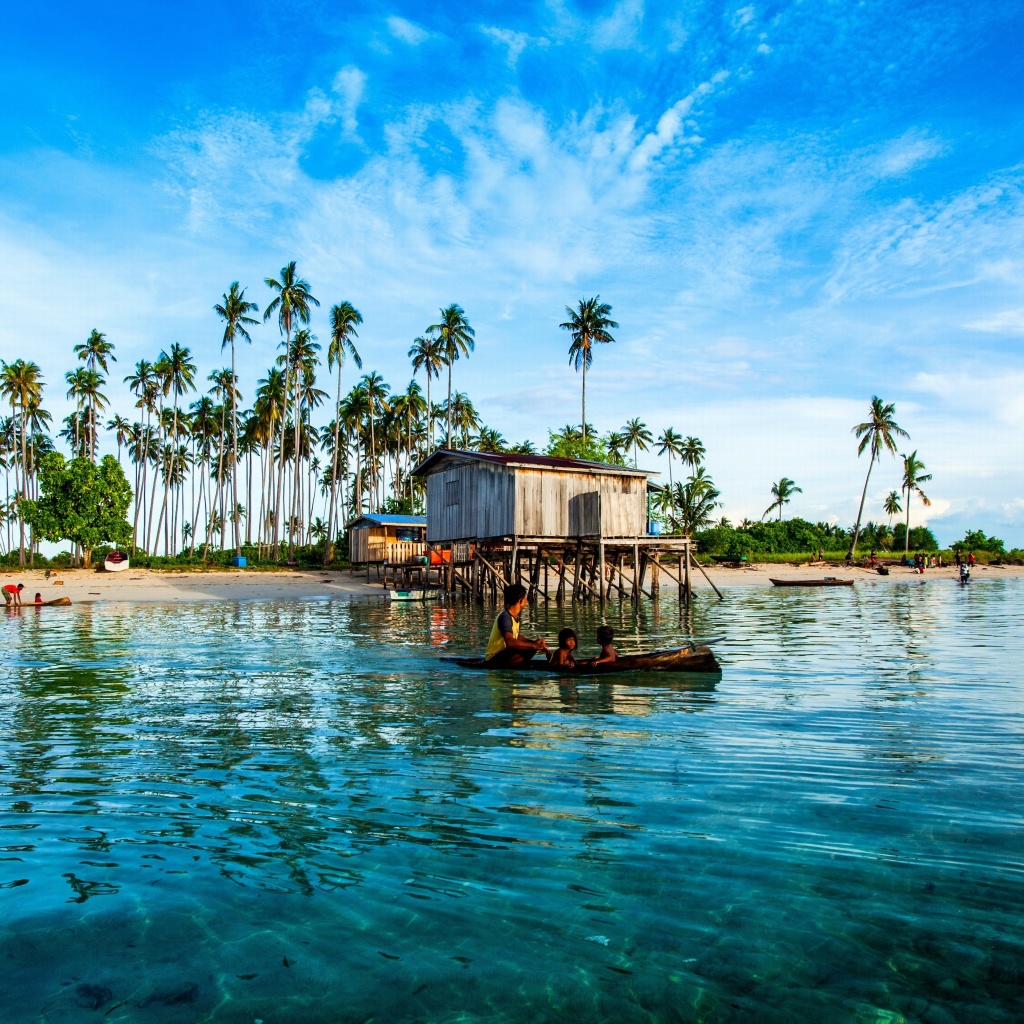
x=563 y=656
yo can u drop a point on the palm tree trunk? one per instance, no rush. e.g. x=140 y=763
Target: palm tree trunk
x=284 y=427
x=329 y=545
x=234 y=453
x=906 y=544
x=860 y=511
x=584 y=412
x=448 y=409
x=24 y=475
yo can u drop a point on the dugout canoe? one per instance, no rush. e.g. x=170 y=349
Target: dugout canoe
x=677 y=659
x=828 y=581
x=57 y=602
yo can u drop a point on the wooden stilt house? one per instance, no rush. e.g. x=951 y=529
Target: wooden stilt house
x=374 y=539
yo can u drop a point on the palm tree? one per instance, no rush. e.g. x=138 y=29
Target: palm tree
x=877 y=433
x=892 y=506
x=344 y=320
x=234 y=310
x=425 y=354
x=490 y=440
x=692 y=452
x=692 y=504
x=913 y=477
x=616 y=444
x=21 y=383
x=411 y=405
x=178 y=377
x=95 y=351
x=636 y=434
x=122 y=429
x=782 y=492
x=588 y=324
x=455 y=337
x=143 y=383
x=292 y=304
x=375 y=394
x=670 y=443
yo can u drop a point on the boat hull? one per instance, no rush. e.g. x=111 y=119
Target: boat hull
x=116 y=561
x=413 y=595
x=57 y=602
x=680 y=659
x=828 y=582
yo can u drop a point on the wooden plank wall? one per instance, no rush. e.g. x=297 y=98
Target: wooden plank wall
x=373 y=544
x=468 y=501
x=561 y=504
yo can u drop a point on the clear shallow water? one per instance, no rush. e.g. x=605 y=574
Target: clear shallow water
x=296 y=813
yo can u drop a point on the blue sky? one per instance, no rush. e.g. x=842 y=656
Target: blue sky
x=790 y=206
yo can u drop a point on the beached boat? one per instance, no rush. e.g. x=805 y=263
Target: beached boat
x=116 y=561
x=828 y=581
x=415 y=594
x=678 y=659
x=57 y=602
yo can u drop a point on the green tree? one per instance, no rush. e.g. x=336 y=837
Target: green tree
x=693 y=504
x=425 y=354
x=782 y=493
x=344 y=320
x=671 y=444
x=913 y=477
x=81 y=502
x=636 y=434
x=876 y=434
x=588 y=324
x=234 y=310
x=21 y=383
x=692 y=452
x=892 y=506
x=455 y=337
x=291 y=302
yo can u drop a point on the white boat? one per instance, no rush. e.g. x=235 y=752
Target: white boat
x=116 y=561
x=414 y=594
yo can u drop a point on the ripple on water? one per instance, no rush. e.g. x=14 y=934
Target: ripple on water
x=293 y=811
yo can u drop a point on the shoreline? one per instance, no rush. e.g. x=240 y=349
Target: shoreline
x=84 y=586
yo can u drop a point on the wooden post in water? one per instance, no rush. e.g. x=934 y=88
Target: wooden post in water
x=687 y=587
x=655 y=581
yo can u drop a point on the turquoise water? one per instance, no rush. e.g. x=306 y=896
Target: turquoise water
x=274 y=812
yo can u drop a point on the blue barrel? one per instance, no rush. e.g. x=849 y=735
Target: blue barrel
x=239 y=562
x=654 y=529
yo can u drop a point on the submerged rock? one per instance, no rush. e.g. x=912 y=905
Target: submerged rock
x=92 y=997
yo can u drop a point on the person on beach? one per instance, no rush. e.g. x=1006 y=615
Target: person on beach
x=12 y=594
x=958 y=558
x=562 y=657
x=506 y=648
x=38 y=599
x=971 y=560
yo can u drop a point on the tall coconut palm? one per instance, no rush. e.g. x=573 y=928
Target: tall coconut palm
x=21 y=383
x=409 y=407
x=782 y=494
x=344 y=320
x=876 y=434
x=455 y=338
x=234 y=310
x=671 y=444
x=122 y=429
x=692 y=452
x=292 y=303
x=375 y=392
x=143 y=383
x=425 y=354
x=692 y=504
x=589 y=324
x=892 y=506
x=636 y=434
x=178 y=378
x=616 y=444
x=913 y=477
x=95 y=352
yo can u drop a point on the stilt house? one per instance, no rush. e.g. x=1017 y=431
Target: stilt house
x=385 y=538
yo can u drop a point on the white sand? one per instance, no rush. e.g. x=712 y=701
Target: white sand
x=89 y=586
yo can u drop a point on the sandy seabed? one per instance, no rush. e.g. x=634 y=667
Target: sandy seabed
x=89 y=586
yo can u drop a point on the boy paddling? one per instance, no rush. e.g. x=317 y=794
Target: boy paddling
x=506 y=648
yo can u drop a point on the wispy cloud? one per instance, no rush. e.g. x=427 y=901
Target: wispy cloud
x=407 y=31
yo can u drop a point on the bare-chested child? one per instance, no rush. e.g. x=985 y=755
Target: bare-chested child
x=562 y=657
x=605 y=636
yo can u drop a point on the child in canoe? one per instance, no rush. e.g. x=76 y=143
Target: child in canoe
x=605 y=636
x=562 y=657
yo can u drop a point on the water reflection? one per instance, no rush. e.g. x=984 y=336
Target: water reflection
x=274 y=810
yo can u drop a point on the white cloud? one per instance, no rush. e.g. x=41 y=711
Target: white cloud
x=743 y=18
x=407 y=31
x=1007 y=321
x=670 y=129
x=907 y=153
x=620 y=30
x=349 y=84
x=514 y=42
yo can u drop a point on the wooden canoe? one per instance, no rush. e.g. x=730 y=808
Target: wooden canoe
x=57 y=602
x=415 y=594
x=828 y=581
x=678 y=659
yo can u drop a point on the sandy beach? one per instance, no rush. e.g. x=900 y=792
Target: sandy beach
x=89 y=586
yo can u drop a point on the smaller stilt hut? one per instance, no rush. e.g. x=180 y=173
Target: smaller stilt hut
x=375 y=539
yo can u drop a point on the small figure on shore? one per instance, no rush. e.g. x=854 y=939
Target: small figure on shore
x=563 y=657
x=903 y=559
x=506 y=648
x=971 y=561
x=12 y=594
x=872 y=561
x=958 y=558
x=965 y=573
x=821 y=553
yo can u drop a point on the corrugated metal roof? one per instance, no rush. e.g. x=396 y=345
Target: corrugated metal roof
x=528 y=462
x=383 y=519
